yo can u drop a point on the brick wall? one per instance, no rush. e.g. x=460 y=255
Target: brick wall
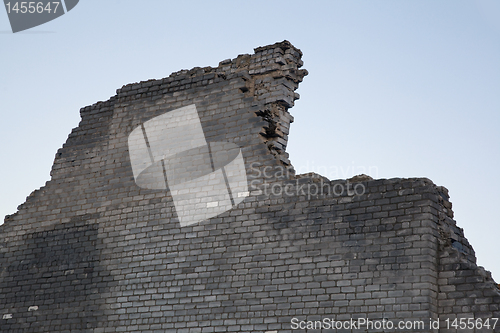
x=94 y=252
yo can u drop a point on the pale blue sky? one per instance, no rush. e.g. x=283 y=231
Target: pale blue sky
x=398 y=88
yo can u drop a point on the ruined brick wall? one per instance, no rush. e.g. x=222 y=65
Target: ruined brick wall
x=93 y=252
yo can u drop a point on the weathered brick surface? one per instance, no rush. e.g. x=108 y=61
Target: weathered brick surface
x=93 y=252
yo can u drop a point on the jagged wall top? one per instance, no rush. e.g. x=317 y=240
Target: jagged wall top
x=279 y=60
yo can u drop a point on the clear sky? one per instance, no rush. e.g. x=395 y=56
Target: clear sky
x=395 y=88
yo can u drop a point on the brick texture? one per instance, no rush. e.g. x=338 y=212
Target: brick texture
x=93 y=252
